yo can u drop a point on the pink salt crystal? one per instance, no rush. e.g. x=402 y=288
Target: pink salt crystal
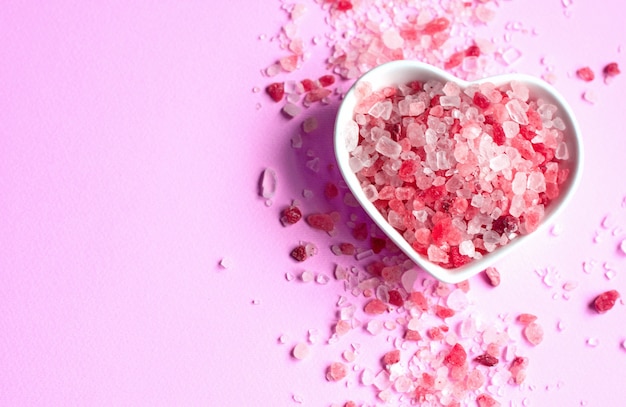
x=375 y=307
x=226 y=263
x=517 y=112
x=309 y=124
x=301 y=351
x=590 y=96
x=342 y=327
x=267 y=183
x=291 y=109
x=485 y=400
x=533 y=333
x=336 y=371
x=457 y=300
x=493 y=275
x=321 y=221
x=296 y=141
x=307 y=276
x=289 y=63
x=374 y=327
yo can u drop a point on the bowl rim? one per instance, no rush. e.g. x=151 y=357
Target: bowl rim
x=402 y=71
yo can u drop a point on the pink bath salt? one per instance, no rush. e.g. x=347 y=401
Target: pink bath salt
x=301 y=351
x=456 y=356
x=517 y=369
x=375 y=307
x=485 y=400
x=321 y=221
x=289 y=63
x=533 y=332
x=342 y=327
x=493 y=276
x=391 y=358
x=336 y=371
x=526 y=319
x=475 y=379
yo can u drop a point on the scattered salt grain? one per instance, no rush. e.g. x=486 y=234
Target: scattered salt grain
x=297 y=398
x=307 y=276
x=301 y=351
x=622 y=246
x=268 y=183
x=322 y=279
x=592 y=342
x=289 y=276
x=309 y=125
x=226 y=263
x=590 y=96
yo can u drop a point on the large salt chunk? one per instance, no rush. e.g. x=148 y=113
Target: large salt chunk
x=511 y=129
x=499 y=162
x=389 y=148
x=516 y=112
x=381 y=110
x=519 y=183
x=536 y=181
x=561 y=151
x=450 y=101
x=350 y=134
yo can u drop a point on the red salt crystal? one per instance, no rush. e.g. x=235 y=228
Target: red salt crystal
x=375 y=268
x=407 y=170
x=299 y=253
x=349 y=404
x=454 y=60
x=347 y=248
x=472 y=51
x=585 y=73
x=343 y=5
x=321 y=221
x=533 y=333
x=308 y=85
x=360 y=231
x=291 y=215
x=445 y=232
x=391 y=357
x=316 y=95
x=481 y=100
x=326 y=80
x=411 y=335
x=420 y=301
x=456 y=356
x=377 y=244
x=437 y=25
x=395 y=298
x=415 y=85
x=526 y=319
x=486 y=360
x=276 y=91
x=336 y=371
x=493 y=275
x=485 y=400
x=605 y=301
x=331 y=191
x=534 y=119
x=443 y=312
x=611 y=69
x=456 y=258
x=506 y=224
x=375 y=307
x=499 y=137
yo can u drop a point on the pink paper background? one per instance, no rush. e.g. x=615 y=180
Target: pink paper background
x=130 y=151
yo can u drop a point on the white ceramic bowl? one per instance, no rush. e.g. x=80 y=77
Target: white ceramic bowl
x=403 y=72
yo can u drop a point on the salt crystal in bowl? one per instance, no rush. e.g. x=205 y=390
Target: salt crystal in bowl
x=457 y=180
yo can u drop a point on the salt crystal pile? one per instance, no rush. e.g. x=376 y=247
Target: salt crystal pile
x=458 y=172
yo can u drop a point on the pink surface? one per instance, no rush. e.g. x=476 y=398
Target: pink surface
x=130 y=151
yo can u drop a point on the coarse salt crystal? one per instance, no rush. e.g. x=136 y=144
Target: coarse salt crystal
x=268 y=183
x=226 y=263
x=301 y=351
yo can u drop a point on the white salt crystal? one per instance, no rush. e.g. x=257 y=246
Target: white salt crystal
x=389 y=148
x=309 y=124
x=307 y=276
x=622 y=246
x=499 y=162
x=511 y=55
x=590 y=96
x=467 y=248
x=392 y=39
x=519 y=183
x=292 y=110
x=457 y=300
x=296 y=141
x=592 y=342
x=226 y=263
x=450 y=101
x=350 y=133
x=536 y=182
x=516 y=112
x=268 y=183
x=511 y=129
x=561 y=151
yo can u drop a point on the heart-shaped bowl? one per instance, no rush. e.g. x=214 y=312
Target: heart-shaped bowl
x=403 y=72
